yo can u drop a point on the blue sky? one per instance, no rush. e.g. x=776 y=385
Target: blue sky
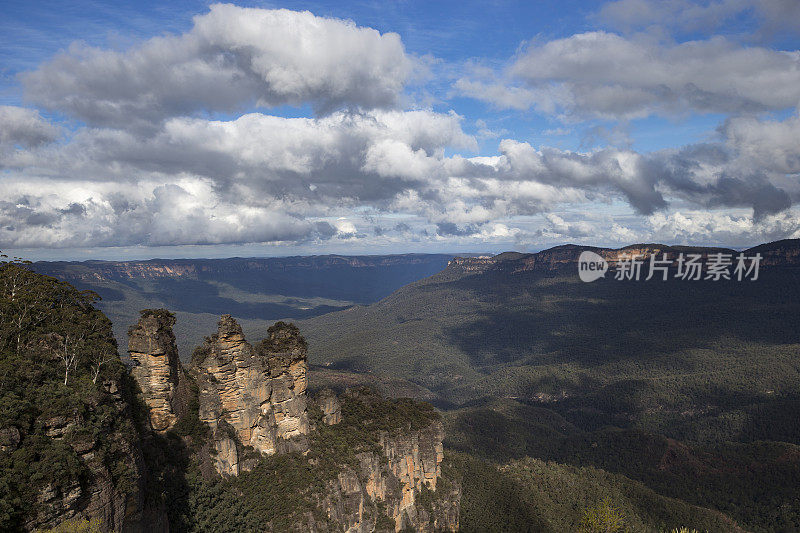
x=198 y=129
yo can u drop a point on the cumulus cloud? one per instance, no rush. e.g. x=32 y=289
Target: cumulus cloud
x=151 y=166
x=231 y=59
x=600 y=74
x=263 y=178
x=686 y=16
x=24 y=127
x=735 y=229
x=185 y=212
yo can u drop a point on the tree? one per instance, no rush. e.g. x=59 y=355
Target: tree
x=603 y=518
x=55 y=316
x=22 y=303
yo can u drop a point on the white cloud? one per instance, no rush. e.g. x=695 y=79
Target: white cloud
x=24 y=127
x=735 y=229
x=233 y=58
x=600 y=74
x=263 y=178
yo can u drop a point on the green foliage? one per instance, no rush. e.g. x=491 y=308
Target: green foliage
x=534 y=495
x=271 y=497
x=384 y=522
x=753 y=483
x=484 y=487
x=57 y=358
x=74 y=525
x=282 y=337
x=602 y=518
x=190 y=425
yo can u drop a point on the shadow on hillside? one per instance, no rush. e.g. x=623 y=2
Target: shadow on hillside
x=542 y=320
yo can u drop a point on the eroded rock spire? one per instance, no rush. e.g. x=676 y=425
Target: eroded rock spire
x=257 y=395
x=156 y=367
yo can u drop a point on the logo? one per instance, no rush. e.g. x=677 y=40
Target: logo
x=692 y=267
x=591 y=266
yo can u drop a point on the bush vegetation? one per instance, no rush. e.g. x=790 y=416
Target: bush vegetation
x=62 y=388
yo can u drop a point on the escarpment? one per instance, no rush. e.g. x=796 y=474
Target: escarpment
x=393 y=480
x=784 y=253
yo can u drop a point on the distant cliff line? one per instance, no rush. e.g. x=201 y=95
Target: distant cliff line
x=784 y=253
x=197 y=268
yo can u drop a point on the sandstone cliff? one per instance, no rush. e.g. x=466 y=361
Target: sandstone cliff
x=395 y=481
x=785 y=253
x=396 y=488
x=156 y=367
x=355 y=462
x=252 y=397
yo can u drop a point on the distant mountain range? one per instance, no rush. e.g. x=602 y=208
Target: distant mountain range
x=779 y=253
x=690 y=387
x=256 y=290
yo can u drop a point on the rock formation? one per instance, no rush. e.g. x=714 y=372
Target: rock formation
x=784 y=253
x=156 y=365
x=98 y=496
x=253 y=398
x=330 y=406
x=387 y=485
x=256 y=396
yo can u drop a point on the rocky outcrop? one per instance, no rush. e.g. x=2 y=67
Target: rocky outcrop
x=156 y=367
x=112 y=495
x=397 y=484
x=330 y=407
x=252 y=396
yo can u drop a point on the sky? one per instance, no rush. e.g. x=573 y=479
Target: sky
x=193 y=129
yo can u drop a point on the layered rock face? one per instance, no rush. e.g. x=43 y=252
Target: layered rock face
x=390 y=485
x=257 y=395
x=398 y=486
x=156 y=366
x=785 y=253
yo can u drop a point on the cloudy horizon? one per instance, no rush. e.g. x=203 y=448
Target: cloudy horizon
x=354 y=128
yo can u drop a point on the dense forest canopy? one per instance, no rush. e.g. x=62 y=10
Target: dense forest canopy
x=58 y=362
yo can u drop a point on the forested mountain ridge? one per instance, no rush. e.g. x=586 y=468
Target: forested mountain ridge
x=631 y=366
x=784 y=253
